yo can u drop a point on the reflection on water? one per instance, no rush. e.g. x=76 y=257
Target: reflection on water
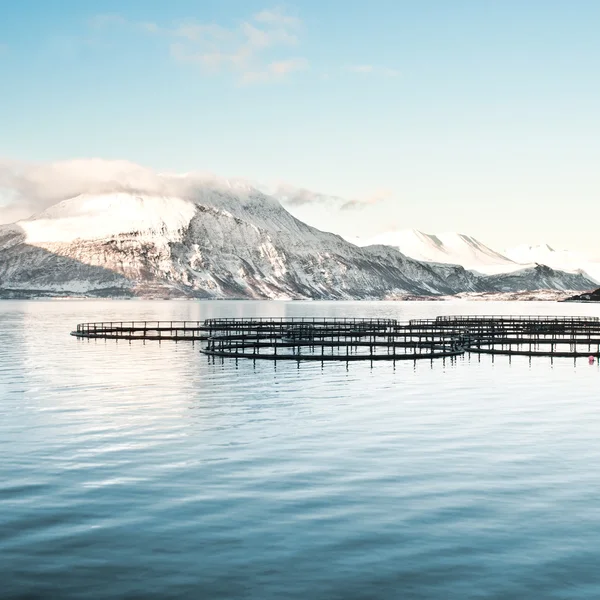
x=148 y=470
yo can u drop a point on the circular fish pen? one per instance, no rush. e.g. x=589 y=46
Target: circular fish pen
x=190 y=331
x=303 y=339
x=551 y=336
x=351 y=339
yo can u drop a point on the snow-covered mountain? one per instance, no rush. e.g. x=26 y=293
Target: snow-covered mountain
x=564 y=260
x=220 y=239
x=216 y=238
x=448 y=248
x=465 y=250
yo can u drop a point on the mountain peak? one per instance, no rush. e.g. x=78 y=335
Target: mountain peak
x=449 y=247
x=101 y=216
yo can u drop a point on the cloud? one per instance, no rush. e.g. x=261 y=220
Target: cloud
x=275 y=70
x=192 y=31
x=374 y=70
x=251 y=51
x=259 y=38
x=245 y=51
x=296 y=197
x=374 y=198
x=30 y=188
x=299 y=197
x=277 y=16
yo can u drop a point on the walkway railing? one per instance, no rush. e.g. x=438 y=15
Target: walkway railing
x=149 y=330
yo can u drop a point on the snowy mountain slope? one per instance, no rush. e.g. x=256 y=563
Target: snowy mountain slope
x=464 y=250
x=539 y=277
x=449 y=248
x=224 y=239
x=24 y=266
x=564 y=260
x=216 y=239
x=94 y=217
x=67 y=247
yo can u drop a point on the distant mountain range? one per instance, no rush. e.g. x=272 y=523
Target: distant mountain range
x=448 y=248
x=464 y=250
x=564 y=260
x=225 y=239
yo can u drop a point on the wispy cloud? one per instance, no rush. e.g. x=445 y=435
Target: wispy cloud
x=298 y=197
x=28 y=188
x=374 y=198
x=373 y=70
x=277 y=17
x=255 y=50
x=275 y=70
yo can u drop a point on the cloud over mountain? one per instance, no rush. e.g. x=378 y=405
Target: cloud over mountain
x=27 y=188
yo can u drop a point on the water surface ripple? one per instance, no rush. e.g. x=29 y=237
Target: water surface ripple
x=137 y=470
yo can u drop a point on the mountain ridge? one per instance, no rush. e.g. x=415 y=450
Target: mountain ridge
x=449 y=248
x=219 y=239
x=469 y=252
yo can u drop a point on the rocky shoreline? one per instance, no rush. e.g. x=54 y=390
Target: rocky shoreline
x=586 y=297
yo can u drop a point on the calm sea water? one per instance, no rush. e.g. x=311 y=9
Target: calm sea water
x=134 y=470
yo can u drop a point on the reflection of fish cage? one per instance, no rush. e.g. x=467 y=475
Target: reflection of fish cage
x=327 y=340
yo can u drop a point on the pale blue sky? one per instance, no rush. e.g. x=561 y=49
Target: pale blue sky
x=474 y=116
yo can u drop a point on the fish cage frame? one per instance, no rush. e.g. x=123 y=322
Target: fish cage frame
x=350 y=339
x=323 y=339
x=528 y=335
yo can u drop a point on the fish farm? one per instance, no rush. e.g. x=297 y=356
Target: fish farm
x=352 y=339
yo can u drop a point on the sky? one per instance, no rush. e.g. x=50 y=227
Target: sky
x=476 y=116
